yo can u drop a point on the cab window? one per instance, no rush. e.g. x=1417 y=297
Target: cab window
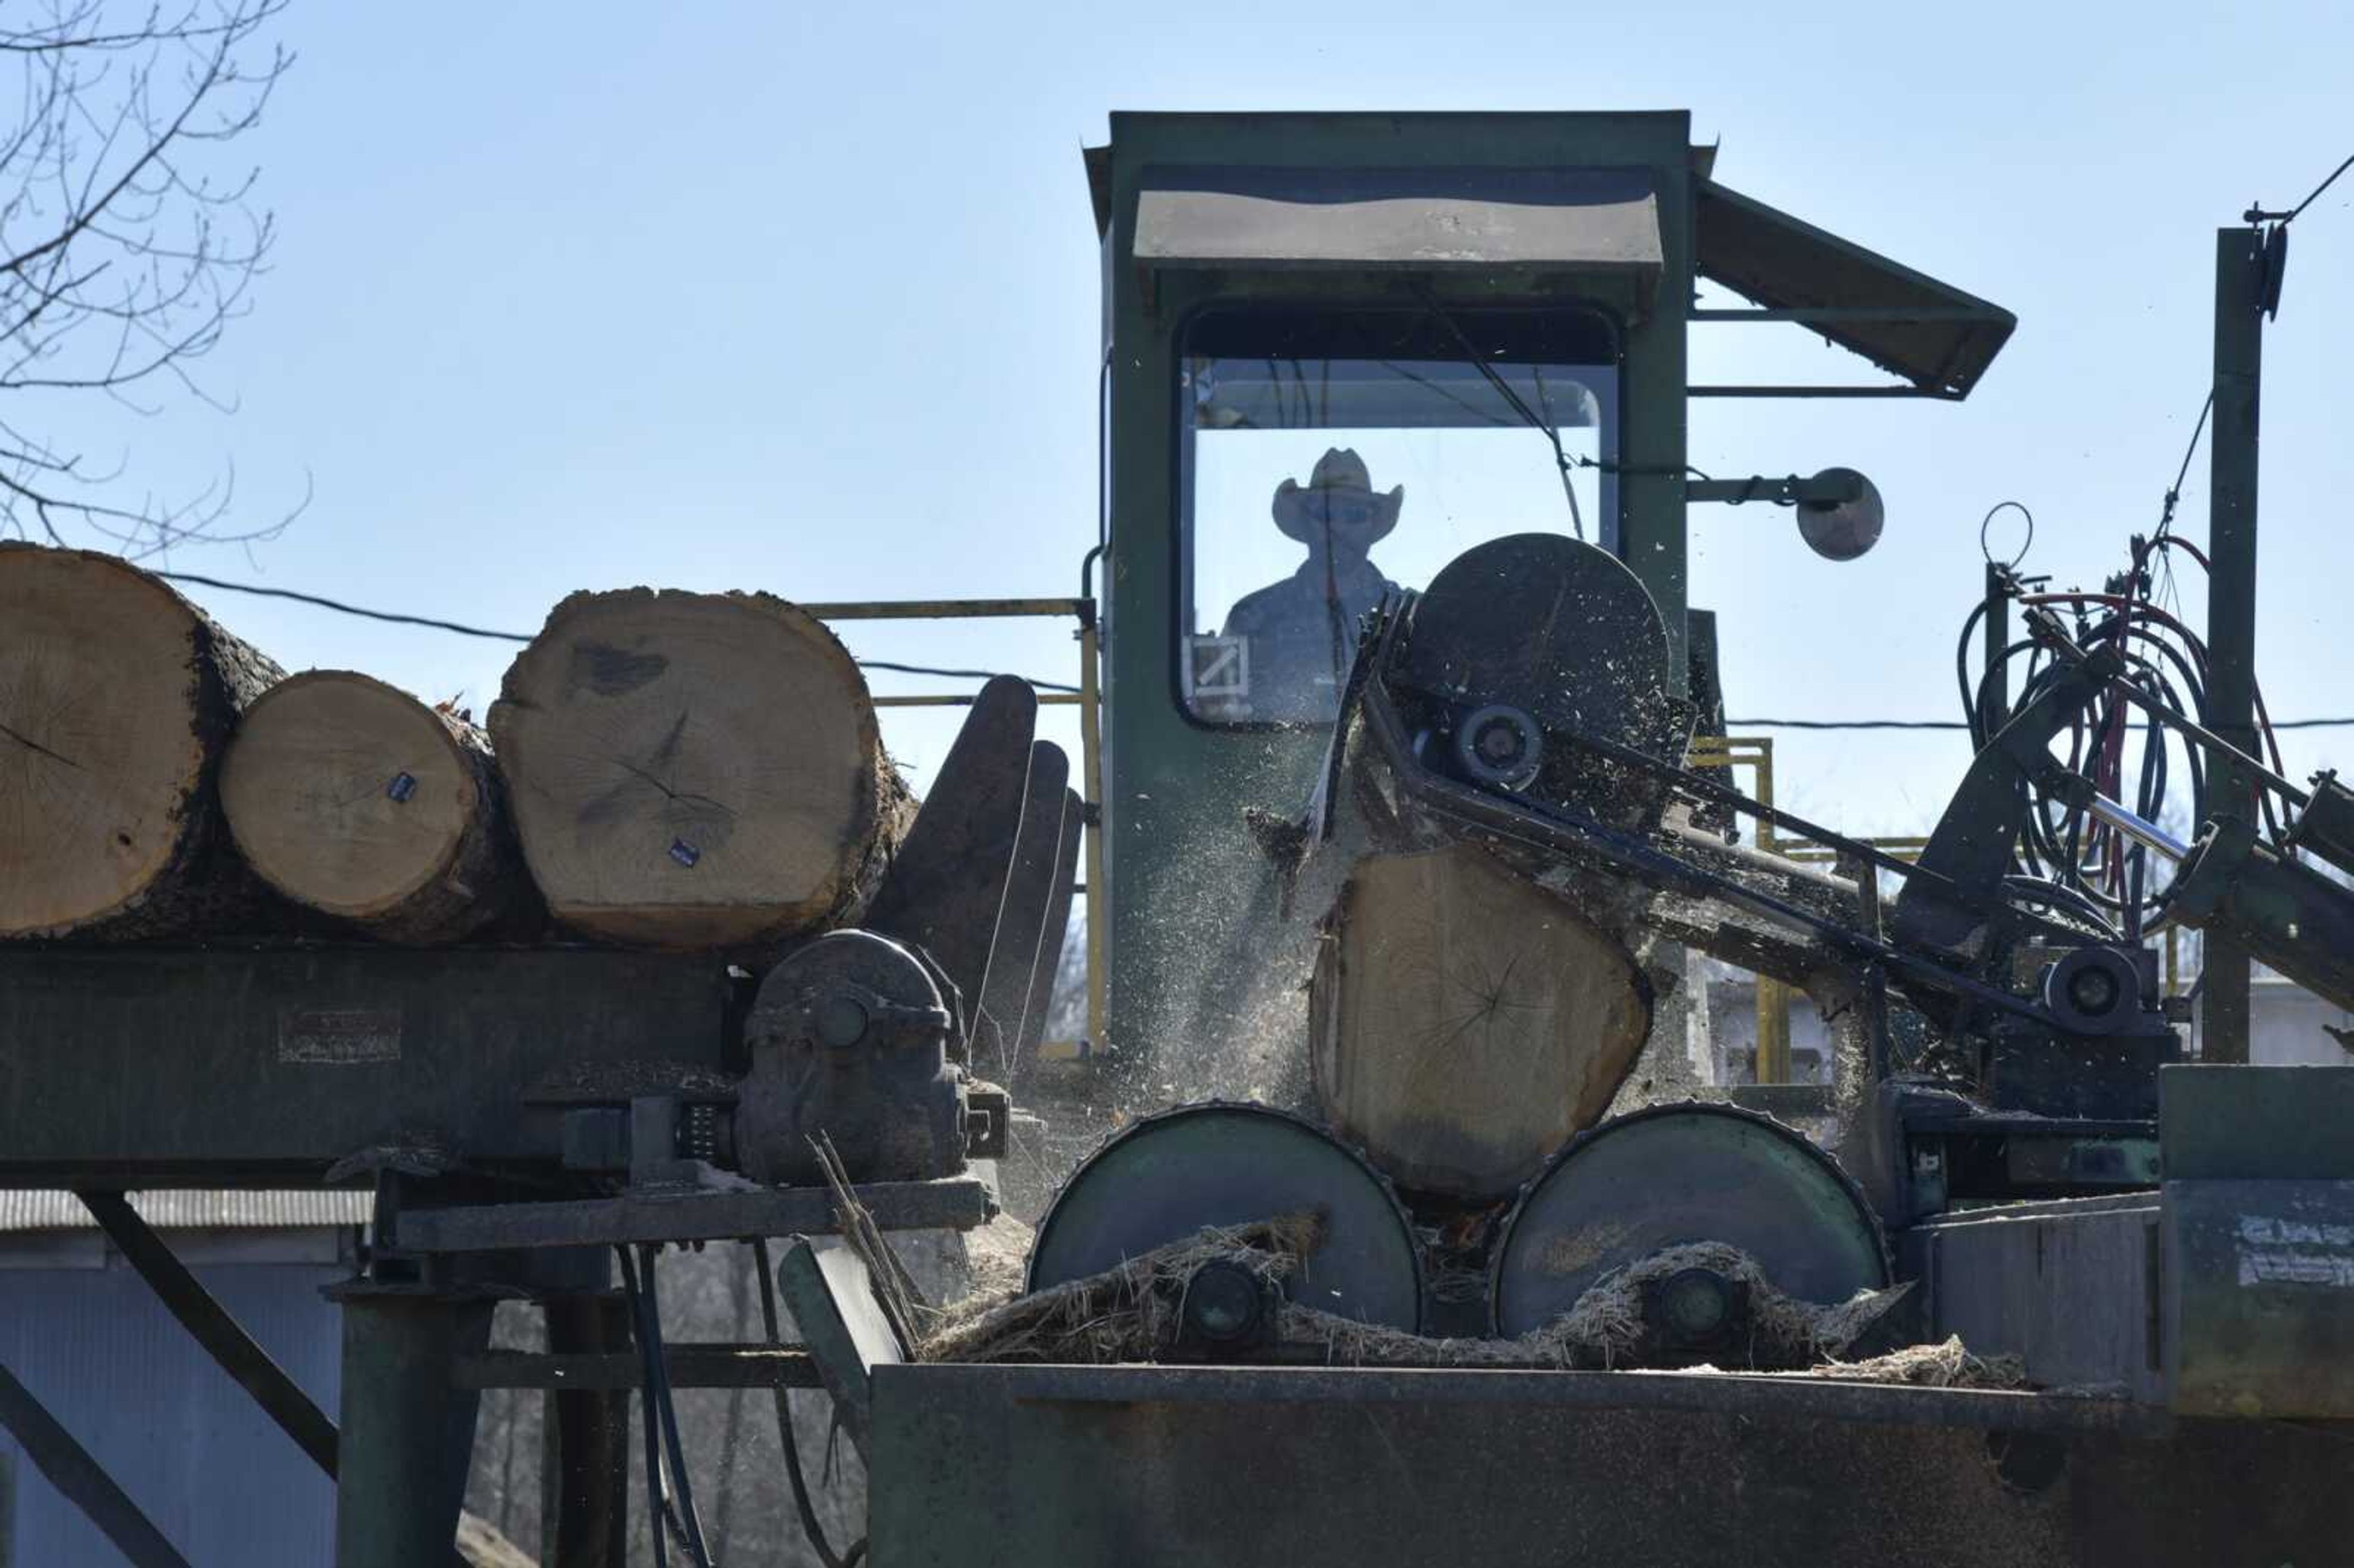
x=1330 y=459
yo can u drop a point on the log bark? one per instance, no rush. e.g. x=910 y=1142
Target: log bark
x=695 y=770
x=353 y=798
x=1464 y=1022
x=116 y=699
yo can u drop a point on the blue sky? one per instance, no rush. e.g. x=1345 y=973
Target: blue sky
x=804 y=299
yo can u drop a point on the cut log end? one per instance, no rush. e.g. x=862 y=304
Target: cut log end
x=115 y=696
x=354 y=799
x=1466 y=1023
x=695 y=770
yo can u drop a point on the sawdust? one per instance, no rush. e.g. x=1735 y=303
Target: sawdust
x=1606 y=1329
x=1124 y=1314
x=1946 y=1365
x=997 y=1255
x=1132 y=1314
x=1227 y=1018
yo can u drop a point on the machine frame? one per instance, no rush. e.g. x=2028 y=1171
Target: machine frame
x=2214 y=1454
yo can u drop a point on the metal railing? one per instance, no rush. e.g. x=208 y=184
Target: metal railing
x=1088 y=699
x=1756 y=752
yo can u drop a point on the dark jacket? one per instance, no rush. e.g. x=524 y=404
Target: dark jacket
x=1303 y=634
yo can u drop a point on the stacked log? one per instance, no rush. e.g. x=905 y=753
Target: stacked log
x=355 y=800
x=1465 y=1023
x=695 y=770
x=116 y=699
x=679 y=770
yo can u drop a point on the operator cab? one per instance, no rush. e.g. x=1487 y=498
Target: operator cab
x=1340 y=351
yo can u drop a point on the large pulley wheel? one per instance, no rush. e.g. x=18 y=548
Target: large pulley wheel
x=1673 y=1174
x=1170 y=1175
x=1535 y=636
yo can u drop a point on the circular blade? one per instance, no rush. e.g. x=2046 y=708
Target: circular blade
x=1525 y=623
x=1167 y=1176
x=1681 y=1174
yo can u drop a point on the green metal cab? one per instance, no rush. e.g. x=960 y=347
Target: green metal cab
x=1339 y=349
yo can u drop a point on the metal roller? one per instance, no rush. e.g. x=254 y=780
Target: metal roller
x=1167 y=1176
x=1672 y=1174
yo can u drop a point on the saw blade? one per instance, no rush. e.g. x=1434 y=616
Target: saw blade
x=1700 y=1171
x=1165 y=1176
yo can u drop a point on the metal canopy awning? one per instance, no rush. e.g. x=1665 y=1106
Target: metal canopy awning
x=1934 y=335
x=1582 y=220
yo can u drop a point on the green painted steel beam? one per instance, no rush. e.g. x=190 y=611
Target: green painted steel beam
x=2231 y=598
x=408 y=1435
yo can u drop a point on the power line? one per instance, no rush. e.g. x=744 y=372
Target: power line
x=2174 y=491
x=955 y=674
x=1843 y=724
x=1955 y=723
x=342 y=609
x=462 y=628
x=2262 y=215
x=401 y=618
x=2324 y=185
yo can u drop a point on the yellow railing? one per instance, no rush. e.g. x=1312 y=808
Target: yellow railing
x=1756 y=752
x=1088 y=699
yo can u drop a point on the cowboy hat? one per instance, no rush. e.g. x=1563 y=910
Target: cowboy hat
x=1340 y=473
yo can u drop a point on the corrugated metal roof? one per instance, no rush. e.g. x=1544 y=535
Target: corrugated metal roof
x=171 y=1211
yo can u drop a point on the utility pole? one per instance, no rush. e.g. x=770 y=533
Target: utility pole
x=1995 y=685
x=2240 y=303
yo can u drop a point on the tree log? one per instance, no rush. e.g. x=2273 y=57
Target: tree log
x=1464 y=1022
x=116 y=698
x=695 y=770
x=353 y=798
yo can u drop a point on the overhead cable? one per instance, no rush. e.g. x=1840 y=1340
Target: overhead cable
x=2258 y=215
x=400 y=617
x=462 y=630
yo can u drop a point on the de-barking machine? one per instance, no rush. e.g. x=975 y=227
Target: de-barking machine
x=1473 y=943
x=1409 y=850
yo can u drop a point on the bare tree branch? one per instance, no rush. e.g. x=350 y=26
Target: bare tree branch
x=123 y=254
